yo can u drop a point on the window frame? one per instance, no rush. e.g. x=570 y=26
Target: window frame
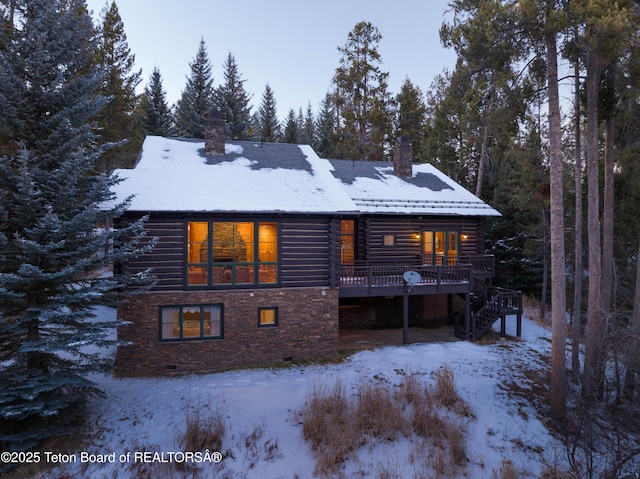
x=181 y=308
x=389 y=236
x=231 y=269
x=446 y=258
x=275 y=317
x=348 y=241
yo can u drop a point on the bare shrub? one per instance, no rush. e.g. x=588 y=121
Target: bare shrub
x=203 y=430
x=327 y=426
x=507 y=470
x=445 y=391
x=552 y=472
x=377 y=414
x=157 y=469
x=455 y=434
x=426 y=421
x=438 y=462
x=336 y=425
x=411 y=390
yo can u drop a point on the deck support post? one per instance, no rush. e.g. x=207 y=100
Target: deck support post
x=405 y=318
x=467 y=316
x=503 y=326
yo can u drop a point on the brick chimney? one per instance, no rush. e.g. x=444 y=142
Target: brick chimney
x=214 y=134
x=403 y=158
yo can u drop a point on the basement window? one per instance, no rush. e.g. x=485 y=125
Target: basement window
x=267 y=317
x=191 y=322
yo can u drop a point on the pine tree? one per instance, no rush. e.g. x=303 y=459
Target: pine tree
x=52 y=249
x=362 y=96
x=326 y=128
x=117 y=122
x=307 y=133
x=411 y=116
x=197 y=97
x=268 y=127
x=156 y=117
x=232 y=101
x=291 y=128
x=7 y=11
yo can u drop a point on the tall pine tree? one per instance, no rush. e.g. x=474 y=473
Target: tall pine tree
x=268 y=126
x=411 y=116
x=307 y=133
x=156 y=115
x=291 y=128
x=52 y=250
x=197 y=97
x=117 y=121
x=325 y=126
x=232 y=101
x=362 y=96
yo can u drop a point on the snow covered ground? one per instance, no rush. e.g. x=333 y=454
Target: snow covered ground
x=261 y=411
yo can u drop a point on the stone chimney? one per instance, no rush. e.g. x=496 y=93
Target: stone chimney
x=403 y=158
x=214 y=134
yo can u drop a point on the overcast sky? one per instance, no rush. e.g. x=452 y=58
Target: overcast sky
x=290 y=44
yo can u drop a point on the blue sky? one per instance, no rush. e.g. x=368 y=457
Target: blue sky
x=290 y=44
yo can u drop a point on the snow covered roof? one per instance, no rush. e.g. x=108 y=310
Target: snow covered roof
x=374 y=188
x=175 y=175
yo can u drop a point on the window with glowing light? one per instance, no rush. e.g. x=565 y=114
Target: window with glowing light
x=347 y=241
x=191 y=322
x=232 y=253
x=267 y=317
x=440 y=247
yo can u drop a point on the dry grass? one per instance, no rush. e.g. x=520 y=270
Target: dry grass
x=203 y=430
x=327 y=426
x=507 y=470
x=378 y=413
x=445 y=391
x=337 y=424
x=156 y=469
x=447 y=394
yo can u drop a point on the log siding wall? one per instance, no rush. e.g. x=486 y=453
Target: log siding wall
x=309 y=246
x=308 y=250
x=407 y=231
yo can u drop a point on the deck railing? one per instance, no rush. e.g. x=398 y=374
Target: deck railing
x=485 y=263
x=377 y=275
x=363 y=273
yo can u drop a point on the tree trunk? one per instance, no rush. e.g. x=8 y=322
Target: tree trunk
x=545 y=266
x=577 y=292
x=607 y=215
x=632 y=353
x=558 y=277
x=482 y=164
x=594 y=334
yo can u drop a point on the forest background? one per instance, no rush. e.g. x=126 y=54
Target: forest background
x=564 y=173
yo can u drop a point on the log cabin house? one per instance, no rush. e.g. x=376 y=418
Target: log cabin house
x=266 y=251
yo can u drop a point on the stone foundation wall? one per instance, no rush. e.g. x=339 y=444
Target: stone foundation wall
x=307 y=327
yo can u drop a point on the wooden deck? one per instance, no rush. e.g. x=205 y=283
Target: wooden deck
x=361 y=279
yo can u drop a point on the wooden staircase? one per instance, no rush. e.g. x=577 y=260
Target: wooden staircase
x=487 y=306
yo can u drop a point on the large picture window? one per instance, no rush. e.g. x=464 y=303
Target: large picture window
x=191 y=322
x=232 y=253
